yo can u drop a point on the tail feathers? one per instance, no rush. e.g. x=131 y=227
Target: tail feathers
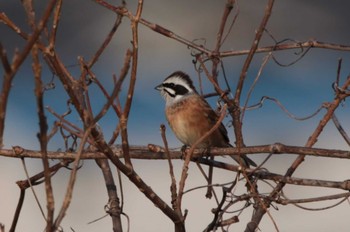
x=249 y=161
x=244 y=160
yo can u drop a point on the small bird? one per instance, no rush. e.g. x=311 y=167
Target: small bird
x=190 y=116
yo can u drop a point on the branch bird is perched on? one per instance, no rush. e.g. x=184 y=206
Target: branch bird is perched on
x=190 y=116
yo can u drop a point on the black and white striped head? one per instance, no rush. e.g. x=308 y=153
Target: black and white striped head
x=175 y=87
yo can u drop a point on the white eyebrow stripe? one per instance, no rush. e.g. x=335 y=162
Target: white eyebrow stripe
x=177 y=80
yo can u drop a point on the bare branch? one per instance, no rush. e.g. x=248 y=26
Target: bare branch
x=143 y=152
x=237 y=124
x=340 y=129
x=114 y=209
x=307 y=44
x=171 y=171
x=314 y=199
x=70 y=186
x=42 y=136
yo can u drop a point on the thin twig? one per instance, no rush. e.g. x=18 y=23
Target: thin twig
x=124 y=117
x=340 y=129
x=237 y=123
x=114 y=209
x=173 y=189
x=105 y=43
x=117 y=87
x=216 y=60
x=287 y=201
x=55 y=22
x=43 y=138
x=29 y=183
x=32 y=189
x=283 y=108
x=72 y=179
x=262 y=66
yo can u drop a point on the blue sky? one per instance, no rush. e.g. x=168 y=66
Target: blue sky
x=301 y=88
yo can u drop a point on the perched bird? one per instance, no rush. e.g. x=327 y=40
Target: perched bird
x=190 y=116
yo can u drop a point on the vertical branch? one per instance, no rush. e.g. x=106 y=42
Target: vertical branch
x=237 y=123
x=250 y=91
x=228 y=8
x=171 y=171
x=237 y=120
x=126 y=111
x=6 y=87
x=39 y=92
x=113 y=202
x=43 y=138
x=29 y=183
x=70 y=186
x=56 y=18
x=135 y=179
x=68 y=82
x=18 y=210
x=18 y=60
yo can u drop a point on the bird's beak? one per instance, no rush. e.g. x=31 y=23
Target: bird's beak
x=159 y=87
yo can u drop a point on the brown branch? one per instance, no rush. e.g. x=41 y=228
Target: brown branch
x=56 y=19
x=281 y=47
x=340 y=129
x=228 y=8
x=72 y=89
x=108 y=39
x=18 y=60
x=143 y=152
x=314 y=199
x=257 y=216
x=32 y=181
x=250 y=91
x=171 y=172
x=114 y=209
x=6 y=87
x=237 y=123
x=117 y=87
x=217 y=211
x=69 y=193
x=18 y=210
x=135 y=178
x=43 y=138
x=153 y=26
x=170 y=34
x=125 y=115
x=265 y=175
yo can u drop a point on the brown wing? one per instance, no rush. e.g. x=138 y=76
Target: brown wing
x=222 y=132
x=224 y=141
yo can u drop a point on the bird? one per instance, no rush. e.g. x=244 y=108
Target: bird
x=190 y=116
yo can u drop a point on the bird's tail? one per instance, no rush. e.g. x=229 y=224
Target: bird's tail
x=243 y=159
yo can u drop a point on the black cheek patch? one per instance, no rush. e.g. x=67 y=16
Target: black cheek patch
x=180 y=90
